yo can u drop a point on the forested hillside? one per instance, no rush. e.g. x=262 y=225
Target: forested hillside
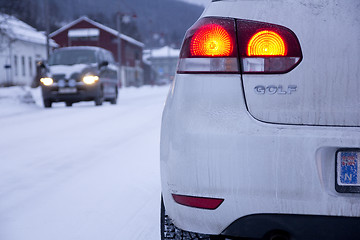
x=157 y=22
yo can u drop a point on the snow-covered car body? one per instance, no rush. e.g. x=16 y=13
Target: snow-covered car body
x=80 y=74
x=256 y=154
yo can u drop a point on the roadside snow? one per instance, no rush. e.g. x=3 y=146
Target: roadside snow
x=16 y=100
x=164 y=52
x=84 y=172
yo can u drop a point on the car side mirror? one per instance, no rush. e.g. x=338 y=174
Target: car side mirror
x=42 y=64
x=103 y=64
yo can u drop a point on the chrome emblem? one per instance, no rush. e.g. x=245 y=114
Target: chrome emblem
x=272 y=89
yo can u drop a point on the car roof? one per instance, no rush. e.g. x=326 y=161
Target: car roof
x=81 y=48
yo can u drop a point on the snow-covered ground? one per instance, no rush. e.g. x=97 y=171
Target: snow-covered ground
x=83 y=172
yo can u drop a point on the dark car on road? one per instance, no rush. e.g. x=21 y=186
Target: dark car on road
x=75 y=74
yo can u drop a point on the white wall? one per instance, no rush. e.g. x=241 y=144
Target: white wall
x=20 y=74
x=133 y=76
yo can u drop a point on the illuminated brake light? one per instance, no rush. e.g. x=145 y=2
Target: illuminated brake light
x=266 y=43
x=266 y=48
x=234 y=46
x=211 y=40
x=198 y=202
x=210 y=47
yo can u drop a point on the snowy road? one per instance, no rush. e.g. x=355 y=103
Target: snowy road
x=83 y=172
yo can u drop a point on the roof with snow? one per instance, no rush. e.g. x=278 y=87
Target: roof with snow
x=99 y=25
x=164 y=52
x=19 y=30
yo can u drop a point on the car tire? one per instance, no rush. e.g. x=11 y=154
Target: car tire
x=113 y=101
x=100 y=98
x=169 y=231
x=47 y=103
x=68 y=104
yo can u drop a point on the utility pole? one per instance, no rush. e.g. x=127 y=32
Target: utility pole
x=118 y=23
x=47 y=26
x=9 y=72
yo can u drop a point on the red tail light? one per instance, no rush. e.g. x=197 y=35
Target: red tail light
x=211 y=40
x=223 y=45
x=210 y=46
x=267 y=48
x=266 y=43
x=198 y=202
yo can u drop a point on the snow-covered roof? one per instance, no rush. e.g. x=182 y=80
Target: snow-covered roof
x=164 y=52
x=19 y=30
x=99 y=25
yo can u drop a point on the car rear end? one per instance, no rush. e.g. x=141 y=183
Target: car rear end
x=261 y=128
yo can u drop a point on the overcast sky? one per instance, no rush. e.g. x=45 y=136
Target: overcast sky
x=202 y=2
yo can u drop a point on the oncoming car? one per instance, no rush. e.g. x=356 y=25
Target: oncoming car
x=75 y=74
x=260 y=134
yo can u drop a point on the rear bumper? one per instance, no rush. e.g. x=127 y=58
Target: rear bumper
x=212 y=147
x=295 y=227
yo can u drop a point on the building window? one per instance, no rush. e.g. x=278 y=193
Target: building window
x=16 y=65
x=23 y=65
x=84 y=39
x=84 y=34
x=30 y=67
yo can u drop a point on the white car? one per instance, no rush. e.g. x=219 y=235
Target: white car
x=261 y=128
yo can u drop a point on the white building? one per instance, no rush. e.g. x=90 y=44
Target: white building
x=163 y=62
x=20 y=47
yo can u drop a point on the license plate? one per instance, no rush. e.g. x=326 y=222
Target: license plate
x=67 y=90
x=348 y=171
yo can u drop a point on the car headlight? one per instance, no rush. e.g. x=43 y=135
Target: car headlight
x=47 y=81
x=90 y=79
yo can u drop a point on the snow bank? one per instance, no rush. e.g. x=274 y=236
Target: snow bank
x=15 y=100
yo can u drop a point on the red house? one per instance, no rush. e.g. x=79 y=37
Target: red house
x=86 y=32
